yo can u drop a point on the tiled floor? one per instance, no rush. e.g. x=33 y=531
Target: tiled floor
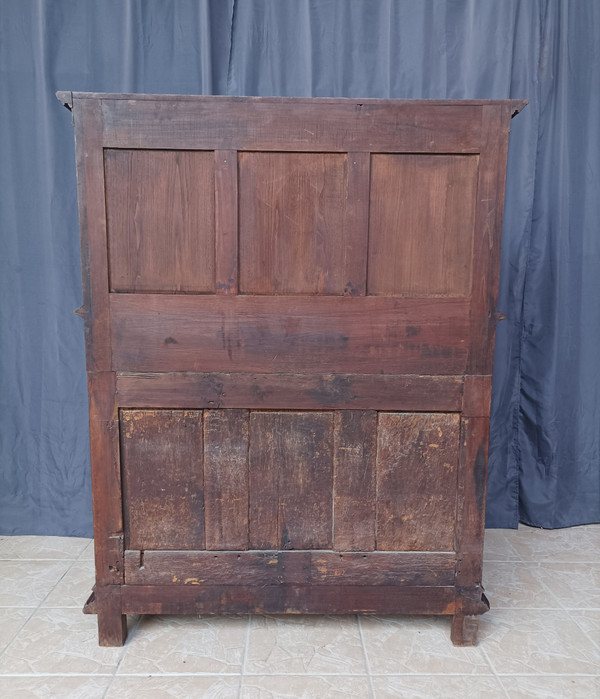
x=541 y=638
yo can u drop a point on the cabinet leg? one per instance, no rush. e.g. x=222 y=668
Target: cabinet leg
x=112 y=625
x=464 y=630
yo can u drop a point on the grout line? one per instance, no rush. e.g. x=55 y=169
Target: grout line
x=244 y=655
x=493 y=669
x=291 y=674
x=366 y=657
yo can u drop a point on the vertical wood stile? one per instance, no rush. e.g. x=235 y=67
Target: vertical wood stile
x=226 y=221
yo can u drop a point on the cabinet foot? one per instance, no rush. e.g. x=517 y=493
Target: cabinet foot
x=112 y=624
x=464 y=630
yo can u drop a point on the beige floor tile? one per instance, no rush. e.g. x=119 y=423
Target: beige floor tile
x=26 y=583
x=54 y=687
x=552 y=687
x=185 y=644
x=305 y=687
x=41 y=546
x=589 y=621
x=88 y=551
x=11 y=621
x=498 y=547
x=536 y=642
x=576 y=544
x=304 y=645
x=74 y=587
x=182 y=687
x=438 y=687
x=58 y=641
x=512 y=584
x=397 y=645
x=576 y=585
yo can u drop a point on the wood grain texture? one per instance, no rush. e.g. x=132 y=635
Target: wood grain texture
x=291 y=479
x=471 y=500
x=206 y=123
x=163 y=479
x=355 y=451
x=290 y=391
x=288 y=598
x=257 y=568
x=161 y=220
x=226 y=479
x=417 y=465
x=421 y=224
x=477 y=396
x=160 y=332
x=293 y=223
x=226 y=221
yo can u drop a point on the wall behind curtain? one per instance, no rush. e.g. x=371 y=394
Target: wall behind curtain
x=544 y=459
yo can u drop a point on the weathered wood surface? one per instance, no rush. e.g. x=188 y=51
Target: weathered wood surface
x=290 y=391
x=259 y=568
x=163 y=479
x=287 y=598
x=161 y=332
x=313 y=369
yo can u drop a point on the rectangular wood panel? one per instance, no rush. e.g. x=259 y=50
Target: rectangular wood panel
x=160 y=219
x=279 y=124
x=291 y=480
x=355 y=449
x=226 y=479
x=421 y=224
x=290 y=391
x=159 y=332
x=161 y=461
x=297 y=235
x=417 y=466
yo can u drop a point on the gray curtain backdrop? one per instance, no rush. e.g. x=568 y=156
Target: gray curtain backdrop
x=545 y=440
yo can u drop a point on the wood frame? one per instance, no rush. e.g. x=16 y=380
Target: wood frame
x=130 y=366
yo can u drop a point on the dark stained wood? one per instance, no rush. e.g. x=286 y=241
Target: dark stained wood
x=163 y=479
x=324 y=275
x=421 y=224
x=290 y=391
x=297 y=567
x=292 y=223
x=106 y=478
x=226 y=221
x=291 y=479
x=417 y=464
x=486 y=250
x=161 y=228
x=254 y=124
x=288 y=598
x=471 y=500
x=160 y=332
x=354 y=497
x=112 y=623
x=92 y=220
x=226 y=479
x=477 y=396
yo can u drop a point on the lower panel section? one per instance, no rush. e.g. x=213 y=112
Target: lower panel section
x=187 y=568
x=287 y=598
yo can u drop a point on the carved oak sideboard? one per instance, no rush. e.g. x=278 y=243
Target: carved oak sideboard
x=289 y=312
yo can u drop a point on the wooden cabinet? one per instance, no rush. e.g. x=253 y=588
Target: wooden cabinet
x=289 y=310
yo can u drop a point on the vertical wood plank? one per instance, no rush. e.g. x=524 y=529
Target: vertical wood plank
x=417 y=464
x=106 y=478
x=291 y=480
x=160 y=211
x=92 y=220
x=226 y=221
x=471 y=500
x=292 y=223
x=355 y=450
x=226 y=479
x=163 y=479
x=356 y=243
x=421 y=224
x=486 y=248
